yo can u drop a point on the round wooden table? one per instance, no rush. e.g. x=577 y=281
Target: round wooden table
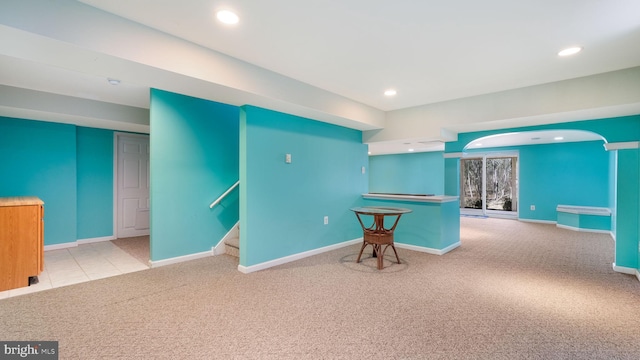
x=377 y=235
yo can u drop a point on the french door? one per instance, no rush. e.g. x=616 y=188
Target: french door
x=489 y=185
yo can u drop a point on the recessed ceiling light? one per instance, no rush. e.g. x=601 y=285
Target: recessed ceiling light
x=410 y=150
x=227 y=17
x=478 y=144
x=570 y=51
x=390 y=92
x=113 y=81
x=558 y=138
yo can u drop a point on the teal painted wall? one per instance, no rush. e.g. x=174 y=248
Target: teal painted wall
x=585 y=221
x=282 y=205
x=628 y=209
x=94 y=182
x=452 y=176
x=562 y=174
x=194 y=159
x=415 y=173
x=39 y=159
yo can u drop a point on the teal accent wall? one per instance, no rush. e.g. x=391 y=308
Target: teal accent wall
x=194 y=159
x=94 y=182
x=282 y=205
x=39 y=159
x=562 y=174
x=628 y=209
x=415 y=173
x=585 y=221
x=452 y=176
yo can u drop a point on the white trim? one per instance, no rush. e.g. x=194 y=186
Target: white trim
x=179 y=259
x=625 y=270
x=412 y=198
x=622 y=145
x=567 y=227
x=60 y=246
x=537 y=221
x=584 y=210
x=115 y=182
x=294 y=257
x=78 y=242
x=455 y=155
x=95 y=240
x=638 y=274
x=483 y=153
x=499 y=214
x=219 y=248
x=426 y=249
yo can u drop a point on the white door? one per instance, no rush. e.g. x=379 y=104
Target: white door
x=132 y=175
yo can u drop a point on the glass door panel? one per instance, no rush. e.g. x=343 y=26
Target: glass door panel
x=500 y=184
x=489 y=186
x=471 y=183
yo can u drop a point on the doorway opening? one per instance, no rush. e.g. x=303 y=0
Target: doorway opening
x=489 y=185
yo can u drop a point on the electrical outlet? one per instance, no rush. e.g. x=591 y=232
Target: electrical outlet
x=533 y=208
x=326 y=220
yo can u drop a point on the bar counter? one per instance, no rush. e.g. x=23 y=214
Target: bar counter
x=433 y=226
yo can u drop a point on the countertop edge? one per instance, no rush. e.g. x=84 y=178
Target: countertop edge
x=413 y=198
x=20 y=201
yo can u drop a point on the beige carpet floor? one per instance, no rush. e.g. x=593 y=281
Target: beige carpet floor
x=138 y=247
x=513 y=290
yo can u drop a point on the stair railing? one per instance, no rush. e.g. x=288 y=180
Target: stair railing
x=223 y=195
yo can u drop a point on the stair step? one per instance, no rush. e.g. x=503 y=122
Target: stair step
x=232 y=247
x=234 y=242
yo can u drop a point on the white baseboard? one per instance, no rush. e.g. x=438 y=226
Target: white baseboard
x=78 y=242
x=583 y=229
x=426 y=249
x=294 y=257
x=95 y=240
x=179 y=259
x=538 y=221
x=60 y=246
x=625 y=270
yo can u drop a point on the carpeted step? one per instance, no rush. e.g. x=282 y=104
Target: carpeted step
x=232 y=246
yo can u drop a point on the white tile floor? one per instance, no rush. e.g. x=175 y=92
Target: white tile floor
x=79 y=264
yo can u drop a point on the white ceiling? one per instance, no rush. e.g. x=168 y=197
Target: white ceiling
x=430 y=51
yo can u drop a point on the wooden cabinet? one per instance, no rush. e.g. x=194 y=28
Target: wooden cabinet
x=21 y=240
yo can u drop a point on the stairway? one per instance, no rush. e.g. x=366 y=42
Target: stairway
x=232 y=244
x=232 y=247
